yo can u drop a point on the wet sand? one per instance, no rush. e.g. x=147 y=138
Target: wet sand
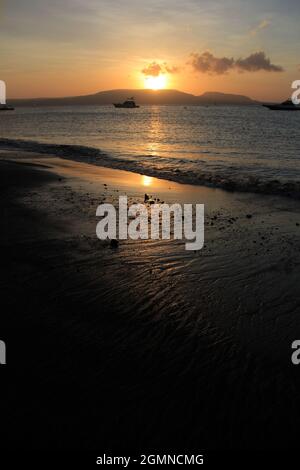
x=146 y=346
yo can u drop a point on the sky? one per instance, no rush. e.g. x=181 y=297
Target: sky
x=77 y=47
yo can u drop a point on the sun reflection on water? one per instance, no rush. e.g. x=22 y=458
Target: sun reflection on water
x=146 y=180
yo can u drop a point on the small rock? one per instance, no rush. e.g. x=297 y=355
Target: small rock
x=249 y=216
x=114 y=243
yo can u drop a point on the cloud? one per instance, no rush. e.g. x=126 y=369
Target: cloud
x=257 y=61
x=154 y=69
x=262 y=25
x=171 y=69
x=208 y=63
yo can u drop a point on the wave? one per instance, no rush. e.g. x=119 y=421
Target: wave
x=165 y=170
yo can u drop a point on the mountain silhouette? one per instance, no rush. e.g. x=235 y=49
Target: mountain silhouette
x=142 y=97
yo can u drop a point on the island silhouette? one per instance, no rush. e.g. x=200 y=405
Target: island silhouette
x=142 y=97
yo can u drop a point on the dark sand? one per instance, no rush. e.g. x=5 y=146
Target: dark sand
x=146 y=346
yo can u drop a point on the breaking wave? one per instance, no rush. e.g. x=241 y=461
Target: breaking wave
x=171 y=169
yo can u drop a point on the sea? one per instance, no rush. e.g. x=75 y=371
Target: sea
x=242 y=148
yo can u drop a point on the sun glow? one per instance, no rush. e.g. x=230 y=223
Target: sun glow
x=146 y=180
x=156 y=83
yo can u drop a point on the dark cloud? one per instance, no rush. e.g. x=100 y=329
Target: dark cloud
x=208 y=63
x=257 y=61
x=154 y=69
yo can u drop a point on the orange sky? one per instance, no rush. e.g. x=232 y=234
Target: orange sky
x=74 y=47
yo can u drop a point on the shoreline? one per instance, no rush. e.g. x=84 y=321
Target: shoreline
x=145 y=340
x=94 y=156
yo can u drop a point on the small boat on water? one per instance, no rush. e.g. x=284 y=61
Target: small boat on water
x=129 y=104
x=6 y=107
x=285 y=106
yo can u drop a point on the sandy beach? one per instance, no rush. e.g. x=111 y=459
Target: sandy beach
x=147 y=345
x=149 y=241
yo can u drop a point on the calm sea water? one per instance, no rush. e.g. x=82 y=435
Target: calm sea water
x=248 y=148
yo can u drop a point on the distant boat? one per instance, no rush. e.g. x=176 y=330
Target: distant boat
x=129 y=104
x=285 y=106
x=6 y=107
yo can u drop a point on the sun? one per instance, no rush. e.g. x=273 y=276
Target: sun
x=156 y=83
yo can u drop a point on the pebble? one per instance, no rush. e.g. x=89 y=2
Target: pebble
x=114 y=243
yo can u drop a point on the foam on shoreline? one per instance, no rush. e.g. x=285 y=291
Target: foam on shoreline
x=95 y=156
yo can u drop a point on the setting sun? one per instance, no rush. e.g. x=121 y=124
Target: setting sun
x=156 y=83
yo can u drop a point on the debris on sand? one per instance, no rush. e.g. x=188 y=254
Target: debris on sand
x=249 y=216
x=149 y=199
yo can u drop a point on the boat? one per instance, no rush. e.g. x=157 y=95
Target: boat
x=285 y=106
x=129 y=104
x=6 y=107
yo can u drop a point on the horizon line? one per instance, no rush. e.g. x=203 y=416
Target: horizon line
x=128 y=89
